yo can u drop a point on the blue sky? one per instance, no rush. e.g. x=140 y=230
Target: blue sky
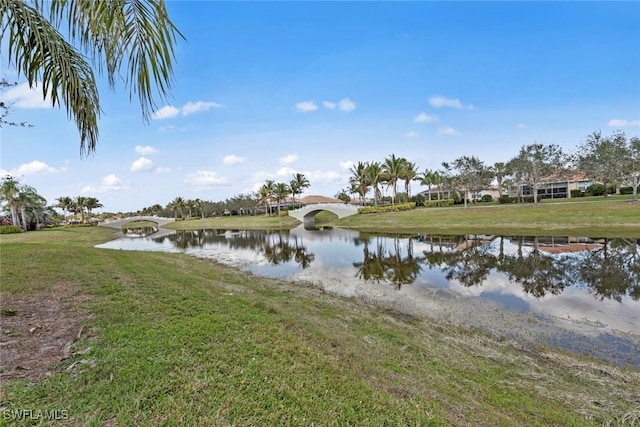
x=264 y=90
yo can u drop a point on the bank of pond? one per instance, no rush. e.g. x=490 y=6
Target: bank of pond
x=577 y=293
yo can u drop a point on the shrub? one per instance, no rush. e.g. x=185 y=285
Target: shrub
x=626 y=190
x=283 y=213
x=438 y=203
x=487 y=198
x=576 y=193
x=524 y=199
x=10 y=229
x=387 y=208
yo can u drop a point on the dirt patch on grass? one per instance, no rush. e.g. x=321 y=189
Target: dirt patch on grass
x=37 y=331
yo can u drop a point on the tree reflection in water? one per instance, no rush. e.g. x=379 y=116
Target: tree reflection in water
x=381 y=264
x=609 y=268
x=276 y=246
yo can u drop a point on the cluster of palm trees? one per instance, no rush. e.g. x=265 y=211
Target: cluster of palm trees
x=81 y=205
x=179 y=205
x=367 y=176
x=272 y=191
x=23 y=202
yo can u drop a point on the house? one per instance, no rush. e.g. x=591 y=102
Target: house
x=556 y=187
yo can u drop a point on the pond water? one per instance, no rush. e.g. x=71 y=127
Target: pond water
x=581 y=294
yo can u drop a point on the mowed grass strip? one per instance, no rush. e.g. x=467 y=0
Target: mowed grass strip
x=593 y=218
x=177 y=340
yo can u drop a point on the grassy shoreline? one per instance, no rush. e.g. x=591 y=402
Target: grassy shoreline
x=616 y=217
x=180 y=340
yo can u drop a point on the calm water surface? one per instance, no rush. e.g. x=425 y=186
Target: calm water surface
x=582 y=294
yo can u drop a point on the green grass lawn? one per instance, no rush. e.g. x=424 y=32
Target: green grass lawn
x=615 y=216
x=175 y=340
x=579 y=217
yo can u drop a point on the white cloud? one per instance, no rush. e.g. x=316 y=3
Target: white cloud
x=169 y=111
x=232 y=159
x=330 y=105
x=166 y=112
x=142 y=164
x=162 y=169
x=521 y=126
x=425 y=118
x=448 y=131
x=441 y=101
x=286 y=171
x=346 y=105
x=109 y=183
x=146 y=150
x=288 y=159
x=22 y=96
x=205 y=179
x=194 y=107
x=306 y=106
x=411 y=134
x=623 y=123
x=347 y=164
x=35 y=167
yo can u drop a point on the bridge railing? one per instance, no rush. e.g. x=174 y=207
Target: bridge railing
x=327 y=206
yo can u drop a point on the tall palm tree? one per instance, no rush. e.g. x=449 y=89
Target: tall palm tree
x=79 y=205
x=297 y=184
x=392 y=167
x=29 y=201
x=374 y=177
x=91 y=203
x=130 y=40
x=281 y=191
x=176 y=206
x=65 y=203
x=426 y=178
x=9 y=190
x=408 y=173
x=360 y=179
x=264 y=195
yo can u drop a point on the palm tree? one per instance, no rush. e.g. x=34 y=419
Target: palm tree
x=408 y=173
x=426 y=178
x=29 y=200
x=130 y=40
x=374 y=177
x=92 y=203
x=176 y=206
x=297 y=184
x=393 y=169
x=9 y=190
x=281 y=191
x=65 y=203
x=79 y=205
x=360 y=179
x=264 y=195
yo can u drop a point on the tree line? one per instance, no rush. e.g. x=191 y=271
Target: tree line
x=609 y=160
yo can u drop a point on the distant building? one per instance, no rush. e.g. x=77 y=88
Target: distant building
x=556 y=187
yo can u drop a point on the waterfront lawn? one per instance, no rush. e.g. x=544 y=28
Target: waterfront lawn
x=170 y=339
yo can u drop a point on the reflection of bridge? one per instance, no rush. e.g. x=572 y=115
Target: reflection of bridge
x=308 y=213
x=118 y=223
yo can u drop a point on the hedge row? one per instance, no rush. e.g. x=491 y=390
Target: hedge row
x=10 y=229
x=387 y=208
x=507 y=199
x=438 y=203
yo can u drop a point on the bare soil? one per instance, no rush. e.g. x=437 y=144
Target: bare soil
x=37 y=331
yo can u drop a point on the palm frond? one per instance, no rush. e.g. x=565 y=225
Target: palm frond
x=42 y=54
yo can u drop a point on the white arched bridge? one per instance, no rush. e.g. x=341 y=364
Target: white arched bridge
x=118 y=223
x=307 y=214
